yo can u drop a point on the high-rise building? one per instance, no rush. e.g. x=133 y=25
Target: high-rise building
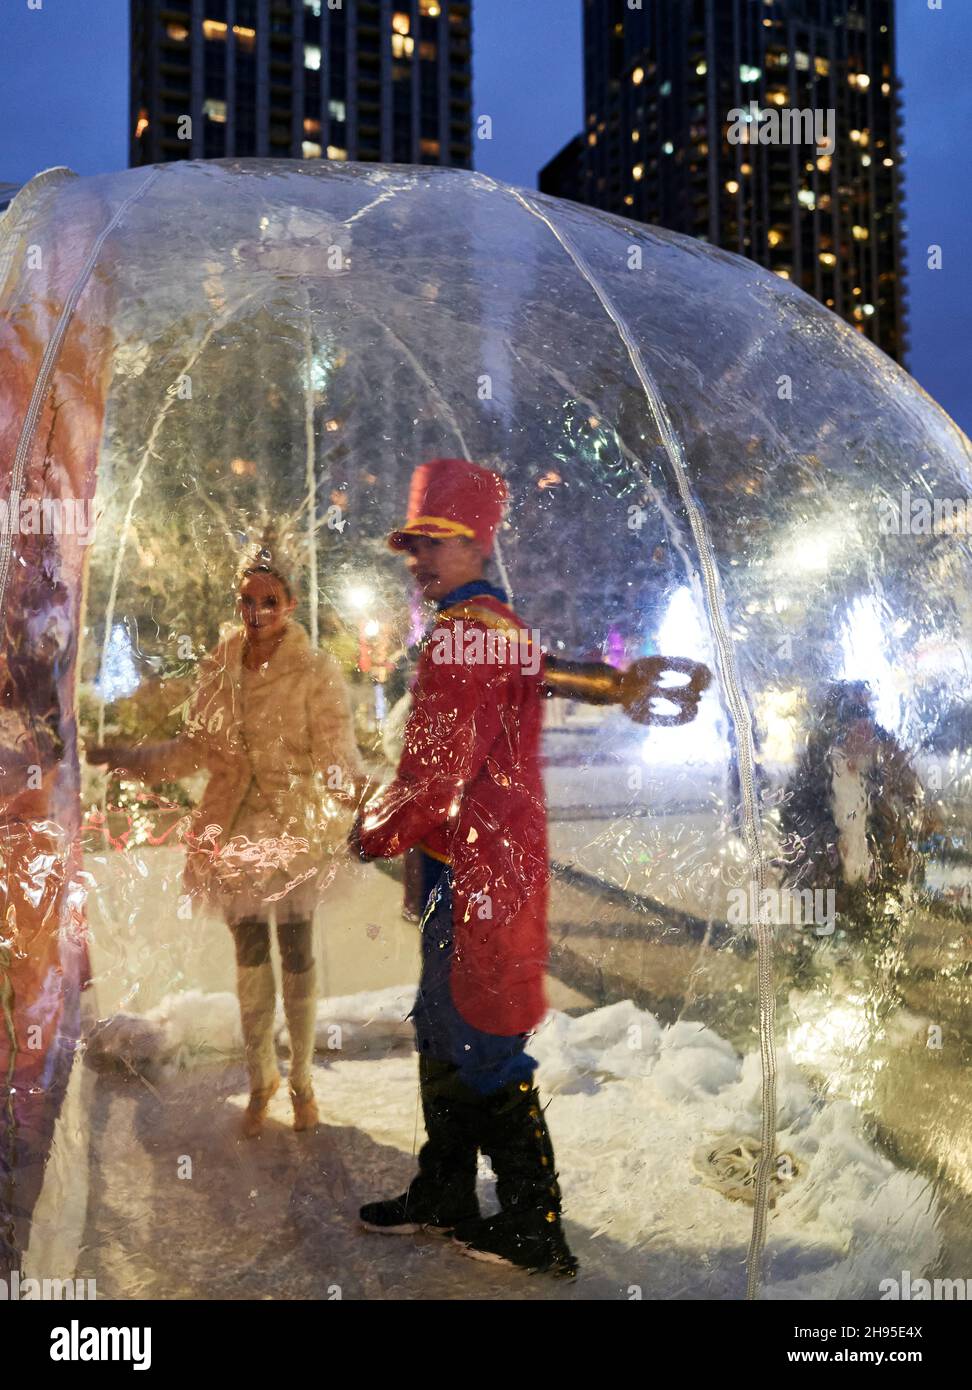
x=768 y=127
x=387 y=80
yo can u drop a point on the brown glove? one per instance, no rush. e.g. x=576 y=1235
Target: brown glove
x=595 y=683
x=641 y=685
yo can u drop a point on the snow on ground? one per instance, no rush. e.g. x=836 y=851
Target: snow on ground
x=630 y=1104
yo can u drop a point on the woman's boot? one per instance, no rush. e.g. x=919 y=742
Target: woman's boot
x=258 y=1000
x=443 y=1193
x=527 y=1231
x=300 y=1008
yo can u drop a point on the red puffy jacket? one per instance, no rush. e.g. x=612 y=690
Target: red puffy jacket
x=469 y=791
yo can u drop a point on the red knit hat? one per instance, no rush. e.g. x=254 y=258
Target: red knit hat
x=453 y=497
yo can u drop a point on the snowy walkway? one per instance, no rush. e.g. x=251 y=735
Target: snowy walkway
x=630 y=1105
x=631 y=1102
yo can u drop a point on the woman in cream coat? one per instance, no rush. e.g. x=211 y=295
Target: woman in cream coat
x=270 y=721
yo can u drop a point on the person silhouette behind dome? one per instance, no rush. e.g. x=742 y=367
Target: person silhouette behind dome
x=852 y=815
x=271 y=721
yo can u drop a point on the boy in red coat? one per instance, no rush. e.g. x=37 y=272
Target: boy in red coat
x=469 y=793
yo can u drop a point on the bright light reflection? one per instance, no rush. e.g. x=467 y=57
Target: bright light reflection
x=865 y=644
x=683 y=633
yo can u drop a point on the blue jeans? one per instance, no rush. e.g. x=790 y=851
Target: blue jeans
x=486 y=1062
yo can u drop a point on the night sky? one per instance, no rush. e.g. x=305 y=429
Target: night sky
x=63 y=100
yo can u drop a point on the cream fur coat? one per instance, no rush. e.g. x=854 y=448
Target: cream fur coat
x=290 y=737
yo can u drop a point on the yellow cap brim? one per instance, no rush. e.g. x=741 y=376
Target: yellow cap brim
x=435 y=527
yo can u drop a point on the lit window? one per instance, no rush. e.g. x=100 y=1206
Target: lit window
x=430 y=8
x=783 y=273
x=802 y=61
x=636 y=136
x=732 y=186
x=402 y=45
x=774 y=236
x=748 y=74
x=180 y=33
x=337 y=109
x=860 y=233
x=628 y=200
x=745 y=168
x=866 y=161
x=855 y=135
x=668 y=147
x=779 y=97
x=214 y=110
x=807 y=198
x=311 y=150
x=591 y=138
x=638 y=76
x=868 y=309
x=245 y=37
x=312 y=57
x=429 y=147
x=886 y=89
x=638 y=172
x=336 y=152
x=314 y=6
x=888 y=163
x=311 y=127
x=401 y=23
x=822 y=66
x=143 y=123
x=701 y=68
x=214 y=29
x=665 y=89
x=824 y=163
x=828 y=258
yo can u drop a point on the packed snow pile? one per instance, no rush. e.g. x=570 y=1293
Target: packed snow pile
x=192 y=1027
x=630 y=1104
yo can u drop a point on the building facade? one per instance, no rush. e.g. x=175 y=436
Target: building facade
x=371 y=80
x=771 y=128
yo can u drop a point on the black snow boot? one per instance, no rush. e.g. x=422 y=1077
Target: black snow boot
x=443 y=1193
x=527 y=1231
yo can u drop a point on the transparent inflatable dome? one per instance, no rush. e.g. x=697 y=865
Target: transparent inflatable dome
x=756 y=1057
